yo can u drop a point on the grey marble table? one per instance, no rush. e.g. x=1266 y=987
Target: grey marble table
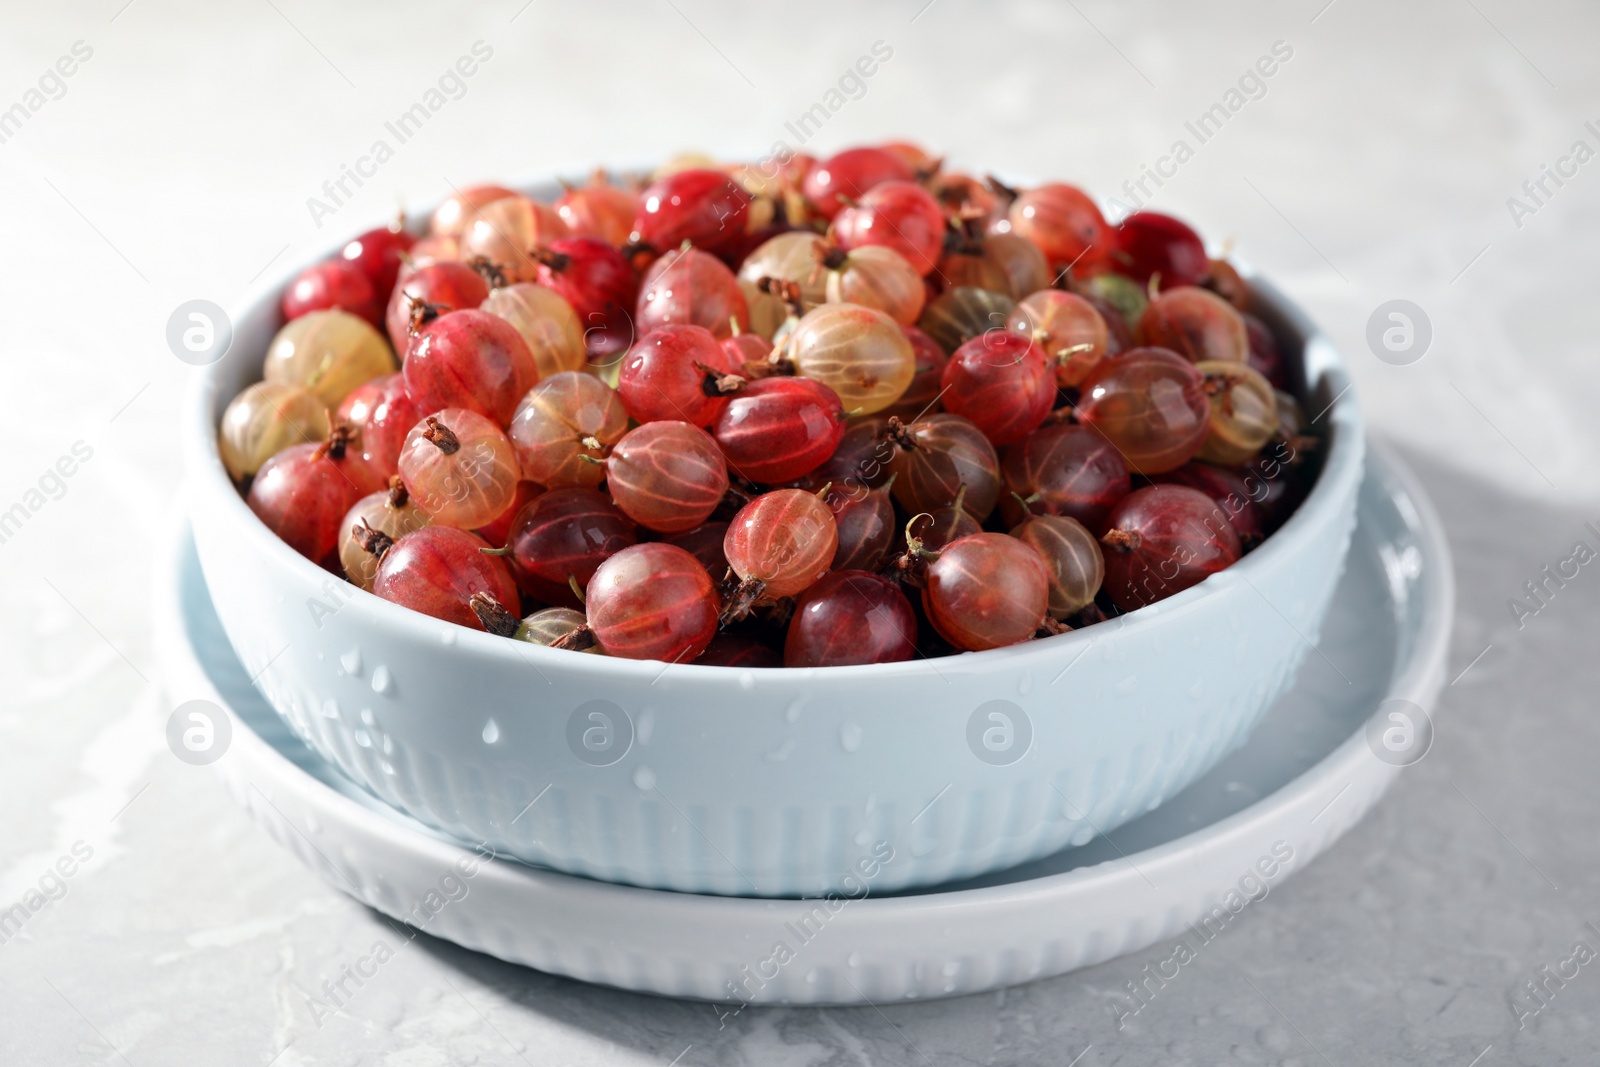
x=1399 y=152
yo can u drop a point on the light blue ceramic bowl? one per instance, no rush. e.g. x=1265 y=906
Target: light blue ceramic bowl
x=773 y=782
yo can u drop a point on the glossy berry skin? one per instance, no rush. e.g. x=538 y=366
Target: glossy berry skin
x=1020 y=262
x=922 y=396
x=937 y=528
x=1195 y=323
x=498 y=529
x=938 y=455
x=382 y=413
x=377 y=511
x=435 y=570
x=565 y=535
x=779 y=429
x=449 y=286
x=1231 y=491
x=1066 y=225
x=508 y=231
x=1151 y=404
x=880 y=278
x=473 y=360
x=851 y=617
x=1150 y=243
x=859 y=352
x=546 y=322
x=742 y=348
x=691 y=288
x=848 y=175
x=668 y=476
x=663 y=376
x=264 y=420
x=784 y=539
x=1063 y=470
x=865 y=521
x=597 y=281
x=377 y=254
x=790 y=257
x=453 y=216
x=1002 y=383
x=459 y=468
x=733 y=650
x=1060 y=322
x=554 y=423
x=704 y=207
x=598 y=209
x=704 y=543
x=304 y=491
x=332 y=284
x=958 y=315
x=1072 y=557
x=653 y=601
x=329 y=353
x=1265 y=357
x=1162 y=540
x=986 y=591
x=861 y=458
x=895 y=214
x=1244 y=413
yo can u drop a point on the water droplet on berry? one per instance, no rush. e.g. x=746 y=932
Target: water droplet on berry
x=380 y=679
x=644 y=778
x=850 y=737
x=491 y=732
x=351 y=661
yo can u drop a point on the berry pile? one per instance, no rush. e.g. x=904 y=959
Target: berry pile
x=854 y=410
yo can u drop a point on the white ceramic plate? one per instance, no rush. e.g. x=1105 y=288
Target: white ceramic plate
x=1309 y=772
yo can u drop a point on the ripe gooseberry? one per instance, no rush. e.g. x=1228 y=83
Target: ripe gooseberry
x=779 y=429
x=334 y=283
x=1150 y=243
x=673 y=372
x=932 y=530
x=1066 y=225
x=379 y=254
x=927 y=383
x=506 y=232
x=668 y=476
x=472 y=360
x=851 y=617
x=547 y=323
x=452 y=217
x=1071 y=556
x=704 y=543
x=935 y=457
x=304 y=491
x=1162 y=540
x=546 y=627
x=598 y=282
x=264 y=420
x=564 y=423
x=1068 y=328
x=778 y=544
x=437 y=569
x=895 y=214
x=598 y=209
x=864 y=520
x=1265 y=357
x=986 y=590
x=382 y=413
x=390 y=512
x=496 y=530
x=562 y=537
x=1244 y=413
x=692 y=288
x=1151 y=405
x=460 y=468
x=848 y=175
x=327 y=352
x=736 y=650
x=876 y=277
x=1061 y=469
x=1195 y=323
x=958 y=315
x=704 y=207
x=858 y=352
x=1231 y=492
x=861 y=458
x=790 y=257
x=652 y=601
x=1024 y=267
x=444 y=286
x=1002 y=382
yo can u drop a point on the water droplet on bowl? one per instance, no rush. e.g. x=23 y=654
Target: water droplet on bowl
x=850 y=737
x=781 y=753
x=351 y=661
x=747 y=680
x=853 y=960
x=644 y=778
x=363 y=739
x=447 y=636
x=792 y=712
x=1025 y=684
x=330 y=708
x=380 y=679
x=368 y=718
x=312 y=825
x=491 y=732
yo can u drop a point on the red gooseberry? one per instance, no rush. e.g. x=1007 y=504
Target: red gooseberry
x=563 y=427
x=382 y=413
x=927 y=383
x=672 y=373
x=335 y=283
x=779 y=429
x=895 y=214
x=453 y=216
x=437 y=569
x=851 y=617
x=668 y=476
x=473 y=360
x=1071 y=556
x=1195 y=323
x=1163 y=539
x=1069 y=329
x=1066 y=225
x=986 y=590
x=390 y=512
x=460 y=468
x=652 y=601
x=1152 y=244
x=1002 y=383
x=598 y=209
x=1151 y=405
x=1061 y=469
x=780 y=543
x=598 y=282
x=692 y=288
x=704 y=207
x=444 y=286
x=938 y=455
x=303 y=492
x=379 y=254
x=848 y=175
x=562 y=537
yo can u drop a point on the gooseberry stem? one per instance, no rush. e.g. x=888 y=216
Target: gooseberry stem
x=441 y=436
